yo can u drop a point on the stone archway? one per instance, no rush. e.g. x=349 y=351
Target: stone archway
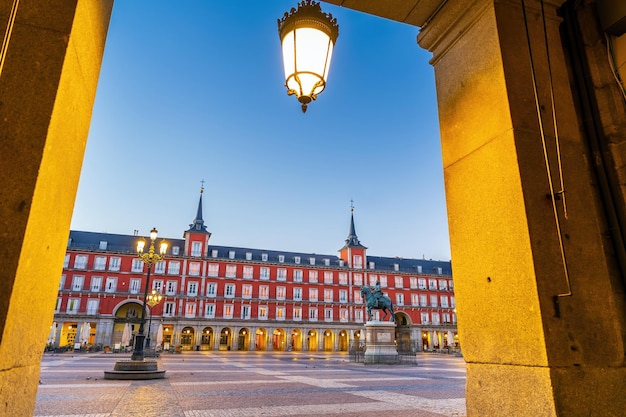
x=311 y=340
x=207 y=338
x=226 y=338
x=279 y=340
x=187 y=338
x=328 y=340
x=261 y=339
x=243 y=340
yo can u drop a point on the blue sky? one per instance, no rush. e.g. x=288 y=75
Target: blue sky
x=194 y=90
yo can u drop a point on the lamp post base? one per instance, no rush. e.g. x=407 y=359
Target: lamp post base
x=136 y=370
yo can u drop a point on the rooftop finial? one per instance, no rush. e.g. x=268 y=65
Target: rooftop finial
x=202 y=186
x=351 y=206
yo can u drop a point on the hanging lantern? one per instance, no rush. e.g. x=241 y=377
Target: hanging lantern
x=308 y=37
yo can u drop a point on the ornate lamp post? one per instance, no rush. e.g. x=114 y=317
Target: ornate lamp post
x=308 y=37
x=149 y=259
x=153 y=299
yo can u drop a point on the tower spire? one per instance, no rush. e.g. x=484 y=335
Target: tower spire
x=352 y=241
x=198 y=222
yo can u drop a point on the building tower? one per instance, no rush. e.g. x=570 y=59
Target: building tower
x=197 y=237
x=353 y=252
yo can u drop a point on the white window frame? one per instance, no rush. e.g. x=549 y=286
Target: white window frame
x=110 y=284
x=194 y=269
x=265 y=273
x=80 y=261
x=248 y=272
x=214 y=270
x=169 y=309
x=136 y=266
x=228 y=311
x=196 y=249
x=281 y=311
x=297 y=275
x=173 y=268
x=92 y=306
x=100 y=263
x=192 y=288
x=231 y=271
x=190 y=309
x=115 y=263
x=135 y=286
x=209 y=310
x=229 y=290
x=77 y=282
x=281 y=293
x=159 y=267
x=170 y=287
x=281 y=274
x=246 y=291
x=96 y=283
x=297 y=293
x=211 y=289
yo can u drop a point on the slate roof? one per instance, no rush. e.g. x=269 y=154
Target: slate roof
x=126 y=244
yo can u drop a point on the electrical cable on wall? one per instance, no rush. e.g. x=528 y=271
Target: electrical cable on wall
x=7 y=34
x=560 y=194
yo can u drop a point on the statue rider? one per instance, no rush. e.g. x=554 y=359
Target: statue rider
x=378 y=294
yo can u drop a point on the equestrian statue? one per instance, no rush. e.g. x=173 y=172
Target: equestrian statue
x=375 y=299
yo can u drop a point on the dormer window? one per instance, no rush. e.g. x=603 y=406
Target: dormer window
x=231 y=254
x=214 y=253
x=264 y=256
x=341 y=262
x=296 y=259
x=175 y=250
x=281 y=258
x=396 y=267
x=372 y=265
x=103 y=245
x=312 y=261
x=248 y=256
x=326 y=261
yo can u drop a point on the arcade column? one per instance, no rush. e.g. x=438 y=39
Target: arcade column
x=539 y=293
x=49 y=72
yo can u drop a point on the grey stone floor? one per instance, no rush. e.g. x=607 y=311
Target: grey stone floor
x=200 y=384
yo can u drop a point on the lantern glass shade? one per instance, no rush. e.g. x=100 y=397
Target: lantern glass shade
x=306 y=57
x=153 y=233
x=140 y=245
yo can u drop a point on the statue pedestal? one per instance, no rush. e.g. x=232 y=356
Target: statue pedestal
x=380 y=346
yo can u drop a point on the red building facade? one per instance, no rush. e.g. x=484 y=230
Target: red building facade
x=231 y=298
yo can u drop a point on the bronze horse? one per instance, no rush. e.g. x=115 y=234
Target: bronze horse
x=383 y=303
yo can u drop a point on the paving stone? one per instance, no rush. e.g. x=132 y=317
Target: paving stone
x=244 y=384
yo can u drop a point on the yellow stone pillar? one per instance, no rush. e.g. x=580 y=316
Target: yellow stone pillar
x=540 y=301
x=49 y=65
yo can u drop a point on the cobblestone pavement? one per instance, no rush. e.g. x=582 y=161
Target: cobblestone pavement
x=250 y=384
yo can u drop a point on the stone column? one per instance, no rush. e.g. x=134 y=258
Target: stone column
x=540 y=304
x=47 y=89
